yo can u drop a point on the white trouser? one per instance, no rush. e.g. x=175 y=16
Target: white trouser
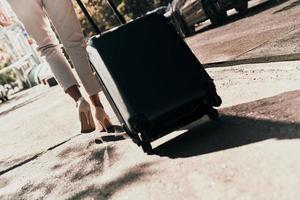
x=35 y=15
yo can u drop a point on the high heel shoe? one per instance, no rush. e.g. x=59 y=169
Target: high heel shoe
x=85 y=116
x=103 y=119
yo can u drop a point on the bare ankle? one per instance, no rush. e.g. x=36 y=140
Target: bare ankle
x=96 y=100
x=74 y=92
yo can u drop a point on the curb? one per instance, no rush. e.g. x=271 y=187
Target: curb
x=267 y=59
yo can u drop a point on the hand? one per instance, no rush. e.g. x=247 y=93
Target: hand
x=4 y=19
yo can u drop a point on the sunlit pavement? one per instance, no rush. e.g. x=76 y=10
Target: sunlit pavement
x=238 y=155
x=251 y=153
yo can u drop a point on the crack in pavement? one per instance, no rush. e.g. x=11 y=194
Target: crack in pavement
x=295 y=28
x=36 y=156
x=264 y=59
x=20 y=164
x=106 y=162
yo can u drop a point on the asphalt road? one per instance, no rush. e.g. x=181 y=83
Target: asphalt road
x=251 y=154
x=270 y=30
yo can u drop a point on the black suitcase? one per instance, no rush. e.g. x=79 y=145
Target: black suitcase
x=153 y=81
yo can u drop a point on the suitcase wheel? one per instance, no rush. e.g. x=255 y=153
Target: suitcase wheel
x=133 y=137
x=215 y=100
x=147 y=148
x=213 y=114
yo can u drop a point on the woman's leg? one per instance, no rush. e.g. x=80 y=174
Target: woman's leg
x=64 y=19
x=96 y=100
x=63 y=16
x=102 y=118
x=74 y=92
x=33 y=17
x=31 y=14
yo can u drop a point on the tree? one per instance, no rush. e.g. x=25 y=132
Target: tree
x=135 y=8
x=7 y=77
x=106 y=19
x=4 y=59
x=100 y=12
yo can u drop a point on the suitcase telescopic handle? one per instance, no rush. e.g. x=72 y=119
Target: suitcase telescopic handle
x=90 y=19
x=119 y=15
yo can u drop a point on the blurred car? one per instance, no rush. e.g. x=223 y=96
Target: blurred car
x=3 y=94
x=160 y=10
x=184 y=14
x=45 y=75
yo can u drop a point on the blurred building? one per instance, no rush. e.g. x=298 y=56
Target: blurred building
x=15 y=42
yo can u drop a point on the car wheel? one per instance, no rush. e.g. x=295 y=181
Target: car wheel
x=147 y=148
x=214 y=12
x=182 y=26
x=51 y=82
x=187 y=31
x=213 y=114
x=241 y=6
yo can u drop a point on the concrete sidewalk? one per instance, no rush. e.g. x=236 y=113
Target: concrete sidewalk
x=244 y=155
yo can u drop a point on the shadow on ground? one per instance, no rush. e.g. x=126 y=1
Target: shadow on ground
x=20 y=105
x=286 y=8
x=9 y=164
x=264 y=59
x=272 y=118
x=75 y=172
x=4 y=183
x=105 y=191
x=251 y=12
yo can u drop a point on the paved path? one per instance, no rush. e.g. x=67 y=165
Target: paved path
x=251 y=153
x=269 y=31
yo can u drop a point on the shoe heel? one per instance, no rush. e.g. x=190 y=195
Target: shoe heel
x=85 y=116
x=91 y=120
x=86 y=127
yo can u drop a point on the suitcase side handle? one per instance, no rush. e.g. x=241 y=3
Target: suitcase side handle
x=90 y=19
